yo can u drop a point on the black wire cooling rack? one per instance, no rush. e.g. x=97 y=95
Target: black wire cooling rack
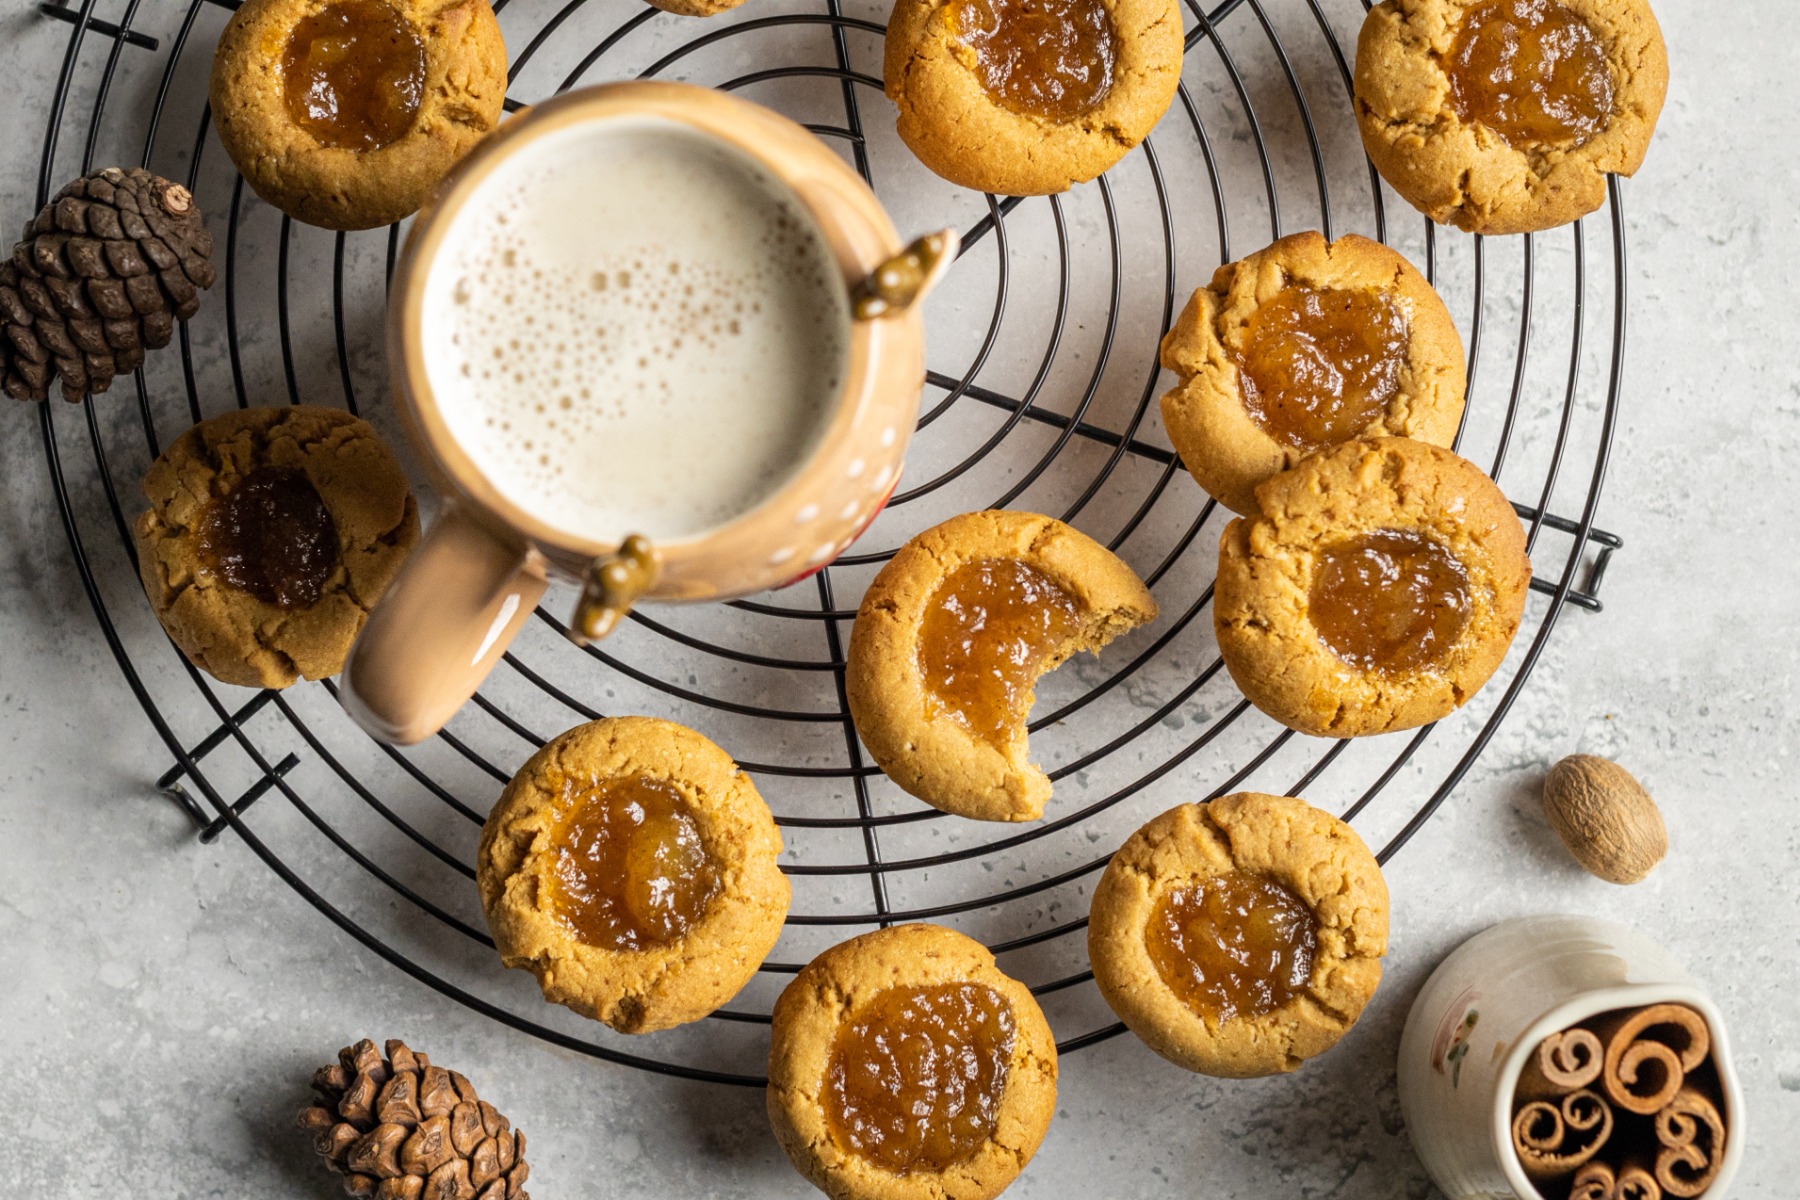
x=1043 y=344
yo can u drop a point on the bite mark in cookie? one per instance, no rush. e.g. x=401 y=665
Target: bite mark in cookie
x=950 y=641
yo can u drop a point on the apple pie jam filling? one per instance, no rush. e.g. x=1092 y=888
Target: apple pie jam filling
x=1318 y=365
x=987 y=633
x=915 y=1081
x=354 y=74
x=1233 y=945
x=1532 y=71
x=1051 y=59
x=1390 y=600
x=631 y=869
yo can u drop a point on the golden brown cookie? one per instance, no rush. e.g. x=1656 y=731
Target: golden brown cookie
x=696 y=8
x=1240 y=937
x=1506 y=116
x=347 y=113
x=903 y=1065
x=271 y=533
x=1303 y=345
x=1378 y=590
x=630 y=866
x=1025 y=99
x=953 y=635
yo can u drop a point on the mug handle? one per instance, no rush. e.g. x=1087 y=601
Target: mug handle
x=439 y=629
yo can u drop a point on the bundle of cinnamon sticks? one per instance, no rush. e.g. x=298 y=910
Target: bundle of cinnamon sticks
x=1624 y=1106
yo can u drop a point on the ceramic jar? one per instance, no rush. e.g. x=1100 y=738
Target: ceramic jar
x=1486 y=1008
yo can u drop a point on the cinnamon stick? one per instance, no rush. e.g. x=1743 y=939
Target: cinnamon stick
x=1537 y=1133
x=1594 y=1181
x=1648 y=1051
x=1553 y=1138
x=1692 y=1135
x=1562 y=1063
x=1635 y=1182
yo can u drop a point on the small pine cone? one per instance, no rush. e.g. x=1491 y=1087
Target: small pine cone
x=103 y=273
x=399 y=1128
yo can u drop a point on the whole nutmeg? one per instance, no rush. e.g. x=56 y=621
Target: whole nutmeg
x=1605 y=818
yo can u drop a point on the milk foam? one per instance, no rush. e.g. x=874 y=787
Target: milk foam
x=632 y=329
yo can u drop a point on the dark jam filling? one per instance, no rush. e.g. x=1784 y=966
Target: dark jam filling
x=272 y=536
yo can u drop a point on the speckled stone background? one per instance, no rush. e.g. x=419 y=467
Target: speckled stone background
x=162 y=1001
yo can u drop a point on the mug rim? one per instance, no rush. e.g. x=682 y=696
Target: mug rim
x=683 y=104
x=1579 y=1008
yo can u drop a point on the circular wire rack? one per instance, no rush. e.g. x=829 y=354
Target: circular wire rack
x=1041 y=396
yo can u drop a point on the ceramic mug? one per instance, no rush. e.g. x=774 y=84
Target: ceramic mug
x=484 y=564
x=1485 y=1010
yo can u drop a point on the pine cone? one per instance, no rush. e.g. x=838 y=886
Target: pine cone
x=103 y=274
x=401 y=1129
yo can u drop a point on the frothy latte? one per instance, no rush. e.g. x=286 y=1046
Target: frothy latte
x=631 y=328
